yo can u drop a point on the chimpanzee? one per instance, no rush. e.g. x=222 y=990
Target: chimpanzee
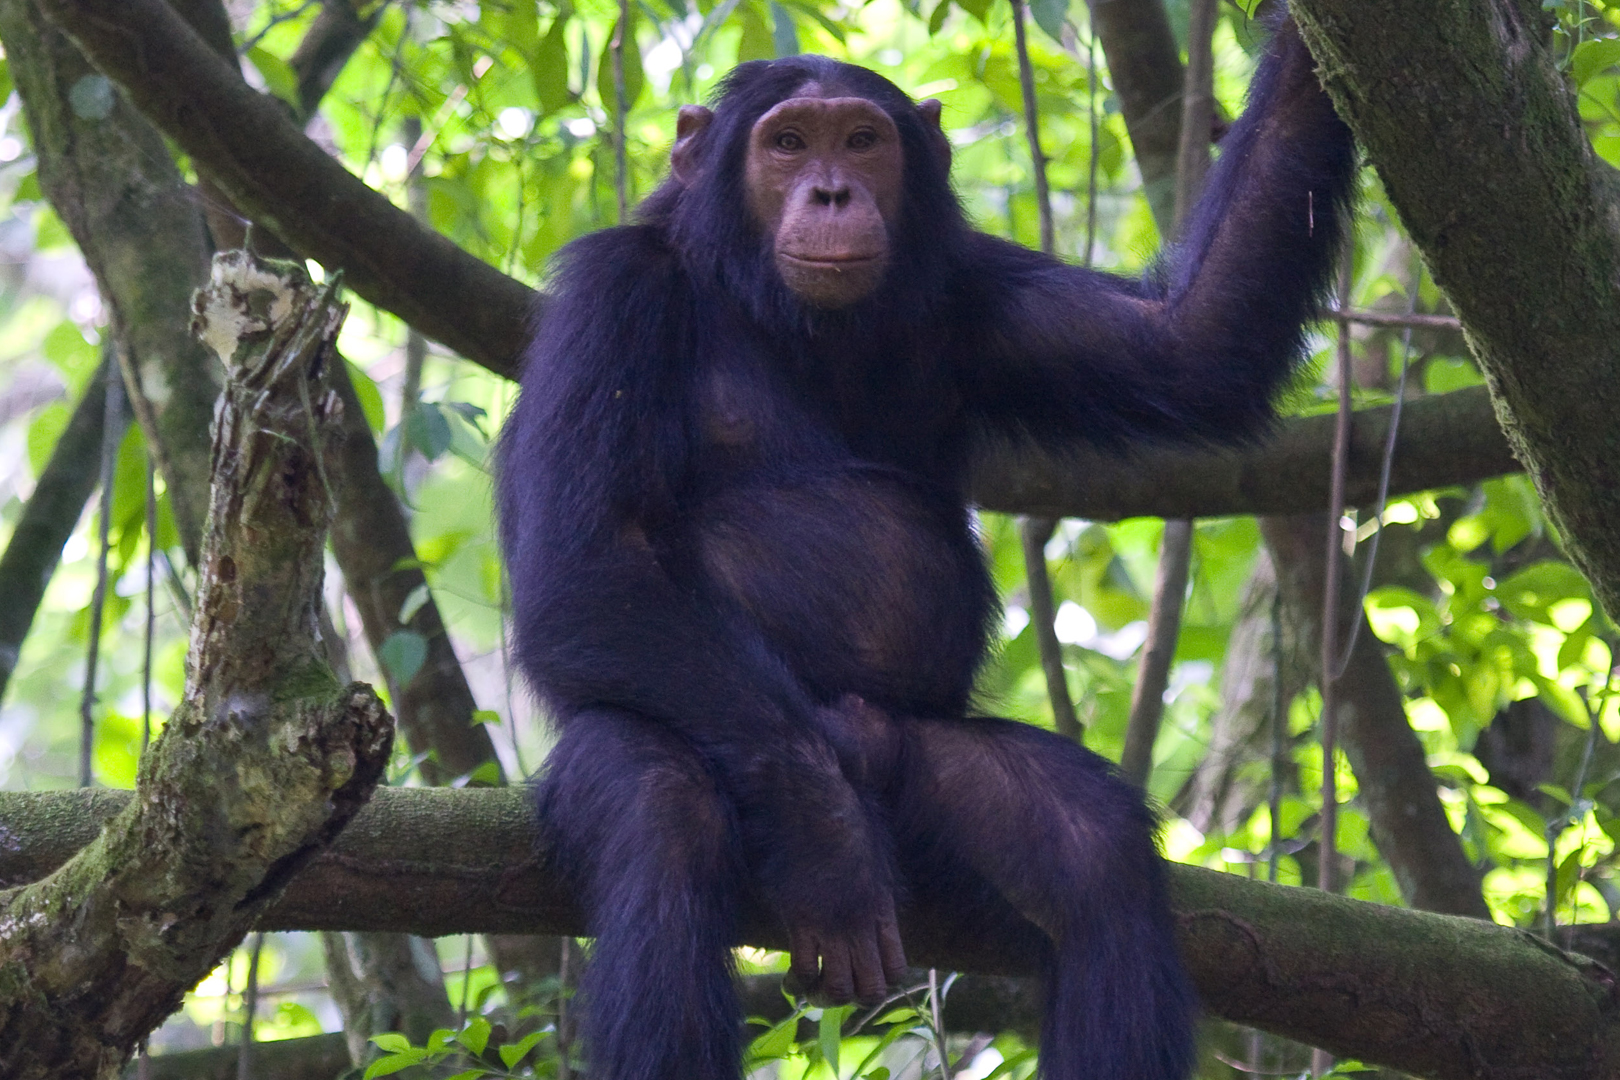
x=746 y=584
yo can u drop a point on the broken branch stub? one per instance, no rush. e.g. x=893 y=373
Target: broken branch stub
x=266 y=758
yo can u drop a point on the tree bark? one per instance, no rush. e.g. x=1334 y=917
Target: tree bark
x=1434 y=995
x=267 y=757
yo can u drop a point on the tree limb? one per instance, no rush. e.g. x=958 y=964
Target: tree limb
x=1436 y=995
x=1445 y=439
x=246 y=143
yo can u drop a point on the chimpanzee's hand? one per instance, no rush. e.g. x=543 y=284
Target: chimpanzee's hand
x=857 y=963
x=827 y=867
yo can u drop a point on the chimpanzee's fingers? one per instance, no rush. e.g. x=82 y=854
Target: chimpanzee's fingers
x=837 y=985
x=804 y=966
x=868 y=969
x=893 y=952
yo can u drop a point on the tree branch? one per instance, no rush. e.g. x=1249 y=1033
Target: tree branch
x=1445 y=439
x=1435 y=995
x=112 y=181
x=246 y=143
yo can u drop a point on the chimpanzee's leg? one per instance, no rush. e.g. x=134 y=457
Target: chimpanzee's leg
x=643 y=834
x=1071 y=846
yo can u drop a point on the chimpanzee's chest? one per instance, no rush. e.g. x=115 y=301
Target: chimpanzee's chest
x=759 y=410
x=861 y=573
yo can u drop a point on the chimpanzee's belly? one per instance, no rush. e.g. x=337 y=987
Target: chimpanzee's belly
x=862 y=580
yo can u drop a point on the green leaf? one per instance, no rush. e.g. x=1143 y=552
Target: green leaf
x=784 y=35
x=633 y=77
x=487 y=774
x=43 y=432
x=371 y=400
x=979 y=9
x=512 y=1053
x=830 y=1034
x=393 y=1063
x=1593 y=57
x=777 y=1042
x=1007 y=1066
x=550 y=66
x=1569 y=872
x=392 y=1042
x=757 y=42
x=937 y=19
x=413 y=603
x=1049 y=16
x=403 y=655
x=475 y=1036
x=278 y=74
x=428 y=430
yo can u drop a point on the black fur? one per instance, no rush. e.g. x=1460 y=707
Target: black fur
x=723 y=512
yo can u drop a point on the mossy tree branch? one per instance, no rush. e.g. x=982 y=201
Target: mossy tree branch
x=266 y=758
x=1434 y=995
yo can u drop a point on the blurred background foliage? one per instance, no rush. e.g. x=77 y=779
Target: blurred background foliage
x=503 y=112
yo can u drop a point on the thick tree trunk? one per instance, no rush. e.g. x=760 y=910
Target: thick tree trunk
x=1463 y=110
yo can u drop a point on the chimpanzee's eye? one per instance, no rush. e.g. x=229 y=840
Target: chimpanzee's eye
x=789 y=141
x=863 y=139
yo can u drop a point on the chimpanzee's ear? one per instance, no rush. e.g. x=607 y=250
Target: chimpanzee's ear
x=930 y=110
x=692 y=122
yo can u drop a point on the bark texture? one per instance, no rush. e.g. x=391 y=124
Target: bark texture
x=1462 y=109
x=267 y=756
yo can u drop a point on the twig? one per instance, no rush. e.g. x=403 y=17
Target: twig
x=1384 y=468
x=1164 y=627
x=1197 y=109
x=621 y=110
x=936 y=1012
x=1328 y=848
x=250 y=1005
x=111 y=435
x=151 y=595
x=1034 y=532
x=1032 y=127
x=1416 y=321
x=1175 y=552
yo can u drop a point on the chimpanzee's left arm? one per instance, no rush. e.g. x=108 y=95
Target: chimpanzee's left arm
x=1200 y=349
